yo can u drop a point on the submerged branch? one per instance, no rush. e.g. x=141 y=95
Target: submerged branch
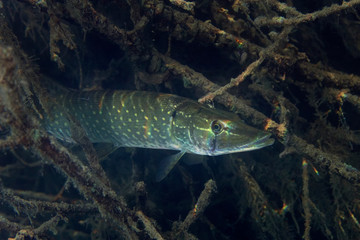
x=309 y=17
x=199 y=208
x=329 y=161
x=266 y=52
x=289 y=96
x=109 y=205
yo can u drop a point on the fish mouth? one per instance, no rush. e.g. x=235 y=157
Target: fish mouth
x=261 y=142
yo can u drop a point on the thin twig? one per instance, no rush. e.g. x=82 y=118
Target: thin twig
x=329 y=161
x=309 y=17
x=249 y=70
x=199 y=208
x=306 y=200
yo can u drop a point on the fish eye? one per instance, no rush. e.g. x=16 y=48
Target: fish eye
x=216 y=127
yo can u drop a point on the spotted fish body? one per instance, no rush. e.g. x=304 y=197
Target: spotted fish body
x=153 y=120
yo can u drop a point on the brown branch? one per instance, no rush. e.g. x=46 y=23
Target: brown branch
x=255 y=196
x=49 y=224
x=30 y=233
x=205 y=85
x=200 y=206
x=9 y=226
x=309 y=17
x=334 y=95
x=189 y=29
x=327 y=160
x=130 y=41
x=22 y=205
x=249 y=70
x=184 y=27
x=320 y=158
x=284 y=8
x=109 y=205
x=234 y=82
x=80 y=137
x=149 y=227
x=306 y=200
x=135 y=10
x=329 y=76
x=187 y=6
x=261 y=210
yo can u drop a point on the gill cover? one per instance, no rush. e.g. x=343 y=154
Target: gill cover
x=216 y=132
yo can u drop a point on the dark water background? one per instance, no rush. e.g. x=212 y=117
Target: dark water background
x=234 y=211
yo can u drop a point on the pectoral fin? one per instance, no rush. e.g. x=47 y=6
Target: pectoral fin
x=167 y=164
x=194 y=159
x=104 y=149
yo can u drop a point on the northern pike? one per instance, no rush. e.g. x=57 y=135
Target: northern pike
x=154 y=120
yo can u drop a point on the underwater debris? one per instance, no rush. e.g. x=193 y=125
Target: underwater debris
x=306 y=200
x=279 y=66
x=199 y=208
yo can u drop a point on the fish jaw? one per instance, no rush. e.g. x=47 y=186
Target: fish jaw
x=215 y=132
x=262 y=140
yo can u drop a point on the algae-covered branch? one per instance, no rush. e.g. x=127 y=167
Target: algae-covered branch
x=179 y=119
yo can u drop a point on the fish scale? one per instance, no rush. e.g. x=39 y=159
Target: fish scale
x=125 y=118
x=153 y=120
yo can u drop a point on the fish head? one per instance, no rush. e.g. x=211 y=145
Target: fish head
x=216 y=132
